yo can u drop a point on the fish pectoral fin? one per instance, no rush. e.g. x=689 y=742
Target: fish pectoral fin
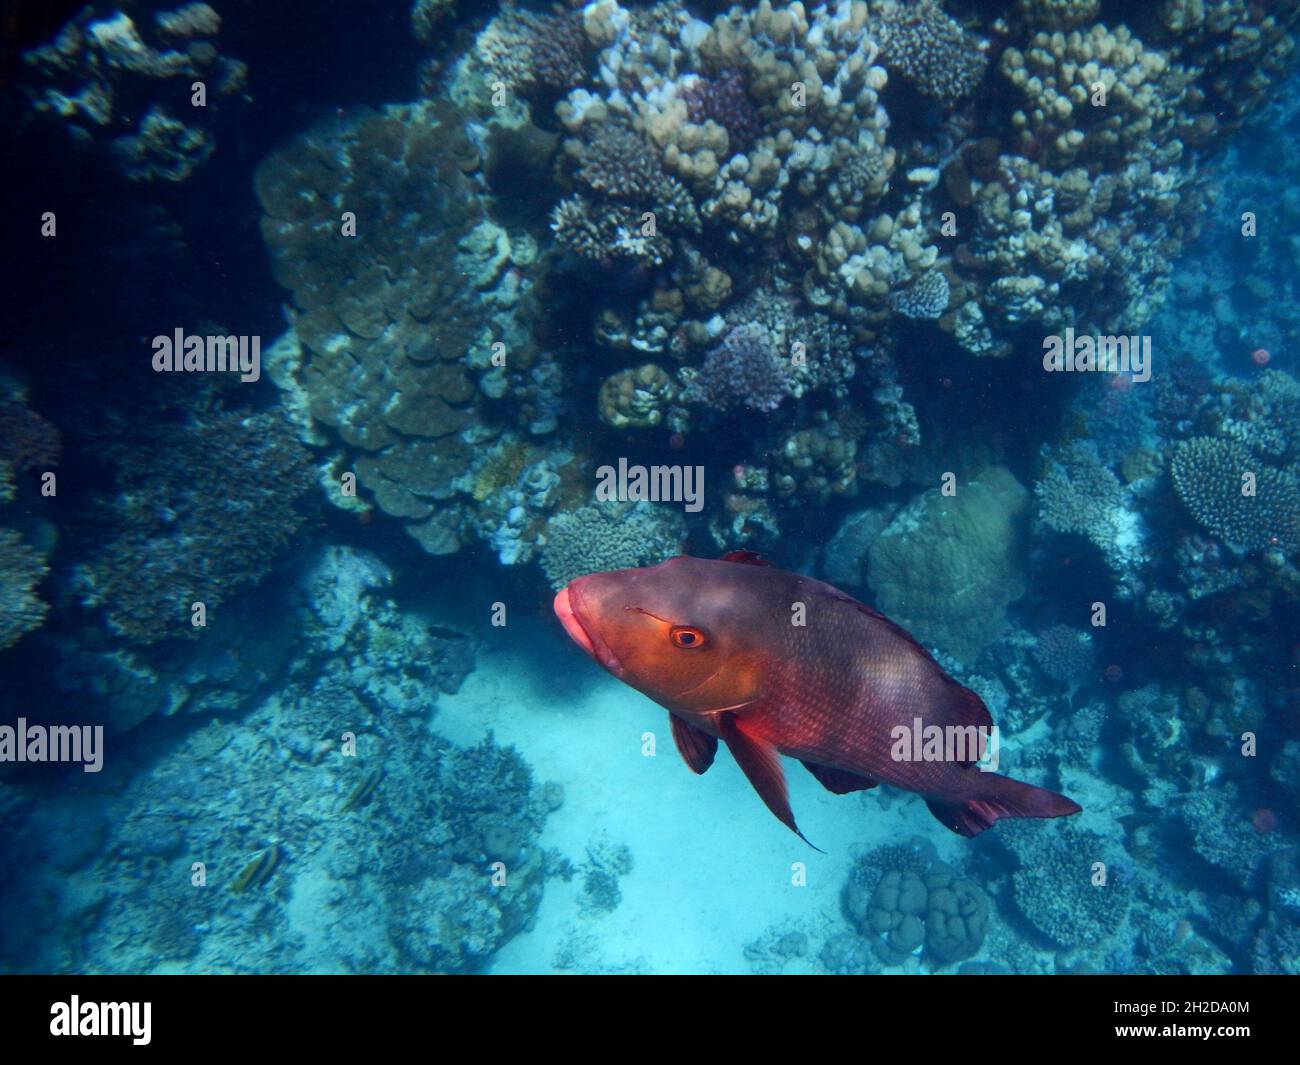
x=761 y=763
x=696 y=746
x=839 y=781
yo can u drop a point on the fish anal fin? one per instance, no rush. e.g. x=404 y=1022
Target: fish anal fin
x=761 y=763
x=696 y=747
x=839 y=781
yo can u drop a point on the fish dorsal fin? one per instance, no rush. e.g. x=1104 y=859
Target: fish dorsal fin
x=696 y=746
x=748 y=558
x=760 y=762
x=839 y=781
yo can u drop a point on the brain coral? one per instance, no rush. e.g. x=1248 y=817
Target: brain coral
x=947 y=566
x=1209 y=477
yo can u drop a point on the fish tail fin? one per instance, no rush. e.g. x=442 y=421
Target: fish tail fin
x=1003 y=797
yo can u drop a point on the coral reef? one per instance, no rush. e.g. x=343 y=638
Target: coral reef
x=947 y=566
x=429 y=387
x=929 y=49
x=1212 y=478
x=602 y=536
x=21 y=569
x=208 y=522
x=129 y=87
x=906 y=903
x=1065 y=654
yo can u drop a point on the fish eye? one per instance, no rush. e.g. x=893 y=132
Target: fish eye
x=686 y=636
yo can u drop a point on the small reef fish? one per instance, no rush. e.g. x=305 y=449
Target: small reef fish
x=258 y=870
x=717 y=643
x=362 y=790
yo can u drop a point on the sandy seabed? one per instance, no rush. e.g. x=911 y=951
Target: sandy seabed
x=714 y=870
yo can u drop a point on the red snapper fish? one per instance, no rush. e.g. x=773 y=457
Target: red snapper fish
x=716 y=642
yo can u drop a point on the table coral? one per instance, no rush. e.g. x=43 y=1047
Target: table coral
x=1208 y=473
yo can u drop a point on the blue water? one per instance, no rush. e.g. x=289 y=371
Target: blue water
x=335 y=346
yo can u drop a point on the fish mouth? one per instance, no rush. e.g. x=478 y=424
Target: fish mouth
x=568 y=602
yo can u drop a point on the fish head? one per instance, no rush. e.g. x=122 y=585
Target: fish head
x=680 y=632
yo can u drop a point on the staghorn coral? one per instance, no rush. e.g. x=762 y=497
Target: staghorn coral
x=1209 y=475
x=199 y=527
x=125 y=86
x=603 y=536
x=930 y=49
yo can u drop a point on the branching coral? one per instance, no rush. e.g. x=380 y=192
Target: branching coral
x=1064 y=653
x=930 y=49
x=1239 y=499
x=743 y=370
x=530 y=51
x=1078 y=494
x=605 y=536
